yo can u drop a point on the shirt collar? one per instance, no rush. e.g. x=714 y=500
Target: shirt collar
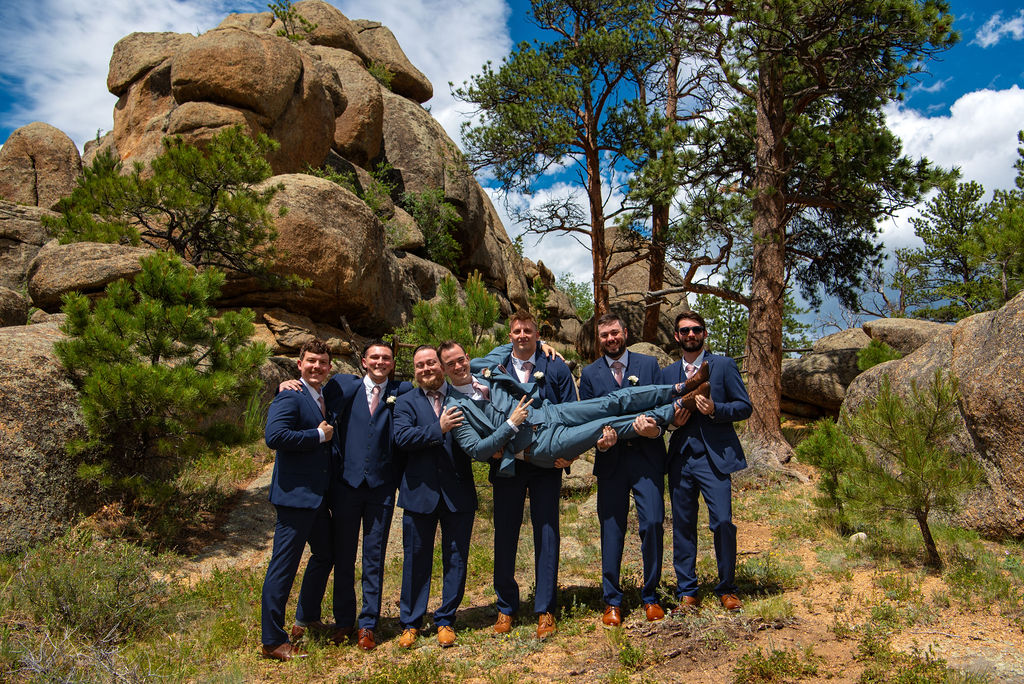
x=624 y=359
x=519 y=363
x=699 y=360
x=443 y=389
x=369 y=384
x=313 y=392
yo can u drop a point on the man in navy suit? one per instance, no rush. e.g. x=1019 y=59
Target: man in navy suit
x=634 y=465
x=363 y=495
x=299 y=427
x=703 y=453
x=436 y=488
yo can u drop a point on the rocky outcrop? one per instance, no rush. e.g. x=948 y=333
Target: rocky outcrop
x=904 y=334
x=381 y=48
x=985 y=353
x=359 y=130
x=39 y=165
x=85 y=267
x=820 y=378
x=22 y=235
x=39 y=414
x=13 y=308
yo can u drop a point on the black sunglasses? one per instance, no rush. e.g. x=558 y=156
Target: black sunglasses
x=696 y=330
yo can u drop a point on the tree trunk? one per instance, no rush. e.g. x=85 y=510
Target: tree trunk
x=656 y=277
x=764 y=335
x=931 y=551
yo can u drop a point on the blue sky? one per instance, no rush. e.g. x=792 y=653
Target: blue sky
x=965 y=112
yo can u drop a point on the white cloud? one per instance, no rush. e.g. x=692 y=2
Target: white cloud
x=57 y=52
x=995 y=29
x=979 y=135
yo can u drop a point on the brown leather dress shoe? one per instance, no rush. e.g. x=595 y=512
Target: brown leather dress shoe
x=317 y=628
x=654 y=612
x=366 y=640
x=545 y=625
x=687 y=604
x=341 y=635
x=283 y=652
x=612 y=616
x=408 y=638
x=730 y=602
x=504 y=624
x=445 y=636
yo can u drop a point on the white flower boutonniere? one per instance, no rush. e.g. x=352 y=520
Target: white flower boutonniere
x=486 y=373
x=538 y=376
x=633 y=379
x=390 y=401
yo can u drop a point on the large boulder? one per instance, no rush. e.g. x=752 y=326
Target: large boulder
x=904 y=334
x=39 y=165
x=425 y=158
x=13 y=307
x=359 y=130
x=39 y=414
x=137 y=53
x=22 y=235
x=330 y=237
x=85 y=267
x=820 y=378
x=333 y=29
x=985 y=353
x=381 y=47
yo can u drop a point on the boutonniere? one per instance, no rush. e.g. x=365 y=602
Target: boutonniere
x=390 y=401
x=486 y=373
x=538 y=376
x=633 y=379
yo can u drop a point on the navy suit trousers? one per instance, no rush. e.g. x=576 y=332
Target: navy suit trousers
x=690 y=475
x=544 y=486
x=294 y=527
x=418 y=530
x=352 y=508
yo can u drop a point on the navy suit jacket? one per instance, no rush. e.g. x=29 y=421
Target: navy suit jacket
x=366 y=447
x=303 y=466
x=436 y=468
x=638 y=454
x=731 y=404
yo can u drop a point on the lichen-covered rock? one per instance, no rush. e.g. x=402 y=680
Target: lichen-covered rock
x=359 y=130
x=39 y=165
x=40 y=494
x=381 y=47
x=85 y=267
x=333 y=29
x=137 y=53
x=985 y=353
x=904 y=334
x=851 y=338
x=22 y=235
x=13 y=308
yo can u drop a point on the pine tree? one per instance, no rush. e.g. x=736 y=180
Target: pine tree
x=905 y=467
x=204 y=205
x=151 y=362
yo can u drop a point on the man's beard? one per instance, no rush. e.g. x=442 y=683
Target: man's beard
x=691 y=345
x=433 y=383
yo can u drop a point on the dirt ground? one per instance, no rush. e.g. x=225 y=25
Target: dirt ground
x=694 y=648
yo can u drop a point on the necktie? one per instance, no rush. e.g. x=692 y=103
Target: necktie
x=482 y=389
x=690 y=370
x=617 y=368
x=320 y=402
x=435 y=397
x=375 y=401
x=527 y=370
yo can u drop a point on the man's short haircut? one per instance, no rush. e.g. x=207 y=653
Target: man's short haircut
x=420 y=348
x=690 y=316
x=376 y=343
x=609 y=318
x=446 y=345
x=523 y=316
x=314 y=346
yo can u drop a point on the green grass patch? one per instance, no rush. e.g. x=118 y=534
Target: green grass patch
x=775 y=665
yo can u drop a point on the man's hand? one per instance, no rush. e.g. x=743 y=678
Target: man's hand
x=705 y=405
x=521 y=411
x=563 y=462
x=327 y=428
x=290 y=385
x=608 y=439
x=646 y=426
x=451 y=418
x=681 y=416
x=497 y=455
x=550 y=351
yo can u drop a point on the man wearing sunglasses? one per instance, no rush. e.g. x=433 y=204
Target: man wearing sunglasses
x=702 y=454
